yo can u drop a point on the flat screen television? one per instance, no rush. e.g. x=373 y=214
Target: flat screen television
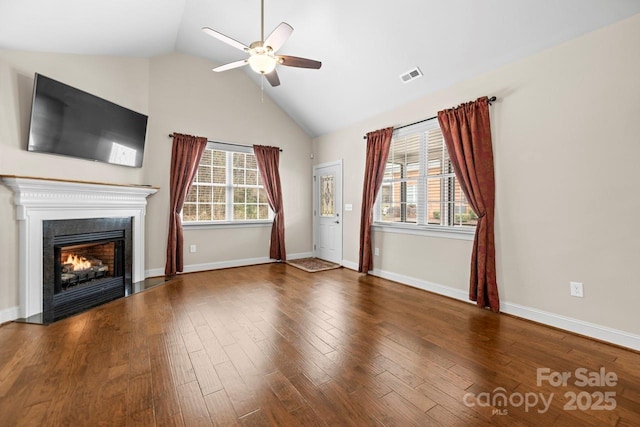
x=71 y=122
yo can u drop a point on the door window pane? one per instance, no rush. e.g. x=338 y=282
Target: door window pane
x=327 y=202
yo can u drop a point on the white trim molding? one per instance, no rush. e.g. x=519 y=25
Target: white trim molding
x=300 y=255
x=9 y=314
x=39 y=200
x=436 y=288
x=193 y=268
x=459 y=233
x=350 y=265
x=591 y=330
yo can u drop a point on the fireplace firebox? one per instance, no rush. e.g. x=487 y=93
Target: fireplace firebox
x=86 y=262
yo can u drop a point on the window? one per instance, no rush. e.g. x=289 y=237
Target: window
x=419 y=187
x=227 y=188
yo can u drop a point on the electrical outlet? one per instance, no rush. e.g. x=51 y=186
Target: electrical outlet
x=192 y=248
x=576 y=289
x=376 y=251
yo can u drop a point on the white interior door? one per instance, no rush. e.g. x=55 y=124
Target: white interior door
x=327 y=211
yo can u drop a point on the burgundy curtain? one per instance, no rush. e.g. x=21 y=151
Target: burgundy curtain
x=467 y=134
x=185 y=156
x=268 y=159
x=378 y=143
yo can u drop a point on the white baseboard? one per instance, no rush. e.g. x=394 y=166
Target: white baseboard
x=9 y=314
x=300 y=255
x=350 y=265
x=599 y=332
x=592 y=330
x=154 y=272
x=423 y=284
x=193 y=268
x=225 y=264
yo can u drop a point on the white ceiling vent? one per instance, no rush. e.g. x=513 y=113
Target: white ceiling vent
x=411 y=75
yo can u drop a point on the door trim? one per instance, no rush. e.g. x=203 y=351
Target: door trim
x=339 y=209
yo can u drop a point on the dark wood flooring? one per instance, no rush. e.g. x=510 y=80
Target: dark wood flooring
x=274 y=345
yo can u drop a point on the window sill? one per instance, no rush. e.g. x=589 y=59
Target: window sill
x=425 y=230
x=237 y=224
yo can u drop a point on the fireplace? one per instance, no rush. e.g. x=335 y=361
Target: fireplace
x=39 y=200
x=86 y=262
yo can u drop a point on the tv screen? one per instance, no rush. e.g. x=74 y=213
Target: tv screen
x=71 y=122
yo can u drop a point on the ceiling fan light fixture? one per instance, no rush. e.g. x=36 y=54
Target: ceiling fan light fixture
x=262 y=63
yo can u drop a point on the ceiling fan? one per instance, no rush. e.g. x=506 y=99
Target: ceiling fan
x=262 y=54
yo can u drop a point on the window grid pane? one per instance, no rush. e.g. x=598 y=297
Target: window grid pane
x=419 y=185
x=224 y=176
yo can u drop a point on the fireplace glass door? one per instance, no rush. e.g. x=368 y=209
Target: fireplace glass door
x=86 y=262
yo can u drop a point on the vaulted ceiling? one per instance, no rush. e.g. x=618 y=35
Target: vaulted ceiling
x=364 y=46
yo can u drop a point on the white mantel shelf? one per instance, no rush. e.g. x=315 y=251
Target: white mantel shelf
x=41 y=199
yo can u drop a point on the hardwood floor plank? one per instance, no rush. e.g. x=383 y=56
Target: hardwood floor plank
x=164 y=389
x=399 y=411
x=294 y=363
x=274 y=411
x=194 y=410
x=305 y=416
x=388 y=365
x=180 y=363
x=241 y=396
x=205 y=373
x=223 y=336
x=220 y=409
x=192 y=342
x=140 y=401
x=35 y=415
x=416 y=398
x=172 y=421
x=443 y=417
x=323 y=409
x=247 y=370
x=349 y=408
x=255 y=419
x=289 y=397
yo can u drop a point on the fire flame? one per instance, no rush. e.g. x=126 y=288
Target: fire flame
x=79 y=262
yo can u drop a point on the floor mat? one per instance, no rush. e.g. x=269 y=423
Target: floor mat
x=313 y=265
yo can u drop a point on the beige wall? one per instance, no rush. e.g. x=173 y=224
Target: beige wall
x=566 y=134
x=187 y=97
x=179 y=93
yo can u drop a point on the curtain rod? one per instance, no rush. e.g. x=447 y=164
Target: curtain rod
x=226 y=143
x=492 y=99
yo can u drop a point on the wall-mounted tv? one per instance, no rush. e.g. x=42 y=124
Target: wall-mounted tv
x=71 y=122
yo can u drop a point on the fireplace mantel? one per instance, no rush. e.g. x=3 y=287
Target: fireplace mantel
x=39 y=199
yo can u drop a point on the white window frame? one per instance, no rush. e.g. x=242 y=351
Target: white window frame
x=230 y=149
x=421 y=227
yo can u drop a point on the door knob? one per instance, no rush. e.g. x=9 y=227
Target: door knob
x=337 y=222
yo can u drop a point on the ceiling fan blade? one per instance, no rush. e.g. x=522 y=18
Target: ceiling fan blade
x=279 y=36
x=225 y=39
x=273 y=78
x=294 y=61
x=231 y=65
